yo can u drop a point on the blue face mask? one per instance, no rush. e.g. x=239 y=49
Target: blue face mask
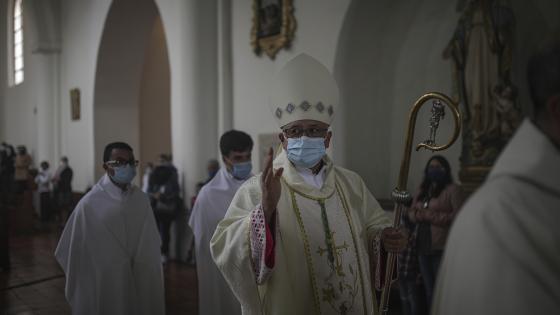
x=306 y=152
x=242 y=170
x=124 y=174
x=436 y=175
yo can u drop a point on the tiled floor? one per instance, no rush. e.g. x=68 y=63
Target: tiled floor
x=35 y=283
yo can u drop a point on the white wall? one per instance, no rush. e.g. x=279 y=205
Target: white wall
x=370 y=50
x=27 y=107
x=155 y=114
x=191 y=30
x=118 y=76
x=381 y=76
x=45 y=47
x=3 y=65
x=318 y=25
x=82 y=23
x=383 y=53
x=383 y=73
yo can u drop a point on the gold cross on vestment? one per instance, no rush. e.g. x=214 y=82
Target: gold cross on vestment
x=334 y=253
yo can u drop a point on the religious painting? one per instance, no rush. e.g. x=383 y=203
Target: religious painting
x=273 y=26
x=267 y=141
x=75 y=104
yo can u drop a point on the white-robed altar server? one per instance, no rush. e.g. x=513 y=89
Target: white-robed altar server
x=503 y=253
x=109 y=249
x=212 y=202
x=295 y=238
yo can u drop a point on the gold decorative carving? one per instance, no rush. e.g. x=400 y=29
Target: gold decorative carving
x=481 y=51
x=472 y=176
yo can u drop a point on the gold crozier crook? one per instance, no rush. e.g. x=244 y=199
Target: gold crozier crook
x=400 y=195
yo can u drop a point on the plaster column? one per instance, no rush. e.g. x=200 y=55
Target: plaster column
x=191 y=29
x=225 y=94
x=46 y=104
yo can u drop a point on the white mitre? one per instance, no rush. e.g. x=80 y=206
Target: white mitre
x=303 y=89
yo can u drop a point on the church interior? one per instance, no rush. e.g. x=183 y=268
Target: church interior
x=169 y=77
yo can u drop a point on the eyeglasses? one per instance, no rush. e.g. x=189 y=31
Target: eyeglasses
x=296 y=132
x=119 y=163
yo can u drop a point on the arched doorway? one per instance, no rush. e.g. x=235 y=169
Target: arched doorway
x=132 y=83
x=381 y=75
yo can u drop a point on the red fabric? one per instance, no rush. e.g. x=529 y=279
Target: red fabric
x=270 y=243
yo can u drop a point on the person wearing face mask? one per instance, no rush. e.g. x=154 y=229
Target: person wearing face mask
x=109 y=249
x=432 y=212
x=296 y=238
x=209 y=209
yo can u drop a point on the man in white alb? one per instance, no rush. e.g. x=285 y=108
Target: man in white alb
x=109 y=249
x=212 y=202
x=503 y=252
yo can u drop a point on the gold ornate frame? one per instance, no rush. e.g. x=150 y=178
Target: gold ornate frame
x=75 y=106
x=273 y=43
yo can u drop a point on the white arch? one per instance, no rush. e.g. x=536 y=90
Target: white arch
x=119 y=69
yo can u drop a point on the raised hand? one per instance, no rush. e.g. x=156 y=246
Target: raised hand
x=271 y=187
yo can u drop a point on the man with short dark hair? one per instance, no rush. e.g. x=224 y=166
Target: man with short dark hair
x=62 y=190
x=503 y=254
x=109 y=249
x=164 y=191
x=210 y=207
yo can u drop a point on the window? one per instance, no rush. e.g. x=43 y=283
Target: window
x=17 y=43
